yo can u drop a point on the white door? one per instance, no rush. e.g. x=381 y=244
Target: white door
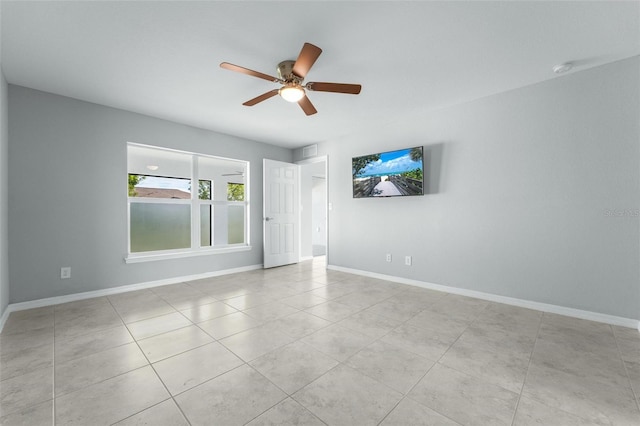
x=281 y=216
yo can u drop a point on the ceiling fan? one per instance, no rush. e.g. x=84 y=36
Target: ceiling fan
x=291 y=74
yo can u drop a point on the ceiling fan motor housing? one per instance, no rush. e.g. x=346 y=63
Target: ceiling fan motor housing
x=285 y=72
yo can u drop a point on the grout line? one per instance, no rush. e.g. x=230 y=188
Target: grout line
x=135 y=414
x=206 y=381
x=437 y=362
x=170 y=394
x=404 y=395
x=154 y=371
x=551 y=368
x=636 y=393
x=313 y=381
x=379 y=339
x=526 y=376
x=267 y=379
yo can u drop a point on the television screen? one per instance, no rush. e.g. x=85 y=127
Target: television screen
x=388 y=174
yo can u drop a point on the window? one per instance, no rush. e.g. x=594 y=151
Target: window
x=168 y=217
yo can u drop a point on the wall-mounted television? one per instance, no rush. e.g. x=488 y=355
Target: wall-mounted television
x=388 y=174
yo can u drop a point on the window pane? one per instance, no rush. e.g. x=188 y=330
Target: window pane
x=205 y=225
x=158 y=162
x=160 y=226
x=220 y=171
x=204 y=189
x=236 y=224
x=159 y=187
x=235 y=192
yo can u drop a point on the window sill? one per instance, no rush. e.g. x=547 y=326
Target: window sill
x=139 y=258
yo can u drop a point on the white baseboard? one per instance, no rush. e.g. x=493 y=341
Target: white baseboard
x=13 y=307
x=544 y=307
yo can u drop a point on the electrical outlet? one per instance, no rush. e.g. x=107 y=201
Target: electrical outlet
x=65 y=273
x=407 y=260
x=388 y=257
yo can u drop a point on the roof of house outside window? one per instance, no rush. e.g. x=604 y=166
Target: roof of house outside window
x=161 y=193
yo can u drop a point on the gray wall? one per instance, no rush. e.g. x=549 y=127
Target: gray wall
x=532 y=194
x=319 y=214
x=4 y=191
x=67 y=197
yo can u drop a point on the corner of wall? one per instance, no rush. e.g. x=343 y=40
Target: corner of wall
x=4 y=190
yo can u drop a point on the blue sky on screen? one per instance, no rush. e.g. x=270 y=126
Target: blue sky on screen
x=167 y=183
x=391 y=163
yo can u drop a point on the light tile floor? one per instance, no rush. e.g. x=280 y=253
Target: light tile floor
x=304 y=345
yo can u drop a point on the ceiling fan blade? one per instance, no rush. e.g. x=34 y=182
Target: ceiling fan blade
x=307 y=57
x=237 y=68
x=352 y=89
x=263 y=97
x=307 y=106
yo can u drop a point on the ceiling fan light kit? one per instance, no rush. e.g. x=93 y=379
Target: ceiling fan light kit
x=291 y=74
x=291 y=93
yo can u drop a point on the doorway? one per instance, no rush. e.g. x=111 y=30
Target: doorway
x=313 y=215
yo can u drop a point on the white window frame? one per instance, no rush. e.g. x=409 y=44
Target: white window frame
x=195 y=202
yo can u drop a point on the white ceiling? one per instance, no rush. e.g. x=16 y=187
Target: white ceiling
x=162 y=58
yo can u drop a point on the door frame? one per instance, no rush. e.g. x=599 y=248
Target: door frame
x=319 y=159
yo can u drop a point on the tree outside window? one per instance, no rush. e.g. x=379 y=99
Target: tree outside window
x=235 y=191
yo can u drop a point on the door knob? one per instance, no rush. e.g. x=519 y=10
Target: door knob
x=269 y=218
